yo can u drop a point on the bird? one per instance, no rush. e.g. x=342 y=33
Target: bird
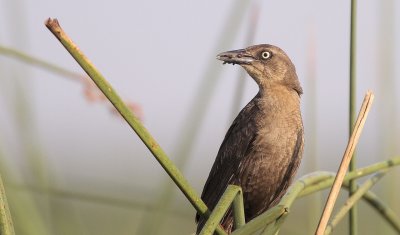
x=263 y=147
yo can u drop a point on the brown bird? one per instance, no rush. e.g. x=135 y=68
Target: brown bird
x=263 y=147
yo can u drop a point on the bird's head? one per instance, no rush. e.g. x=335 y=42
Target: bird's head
x=268 y=65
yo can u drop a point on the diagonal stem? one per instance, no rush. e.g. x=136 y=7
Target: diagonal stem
x=318 y=181
x=362 y=116
x=260 y=221
x=131 y=119
x=231 y=193
x=361 y=172
x=351 y=201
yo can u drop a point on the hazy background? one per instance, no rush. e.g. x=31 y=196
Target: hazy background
x=161 y=56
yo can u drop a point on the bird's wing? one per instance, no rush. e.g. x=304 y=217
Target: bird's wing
x=238 y=140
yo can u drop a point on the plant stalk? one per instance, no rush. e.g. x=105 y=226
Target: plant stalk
x=352 y=114
x=131 y=119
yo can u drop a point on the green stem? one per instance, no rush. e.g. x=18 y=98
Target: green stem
x=6 y=224
x=352 y=114
x=351 y=201
x=318 y=181
x=271 y=216
x=194 y=118
x=222 y=207
x=261 y=221
x=238 y=210
x=385 y=211
x=90 y=198
x=240 y=80
x=273 y=228
x=352 y=175
x=38 y=62
x=131 y=119
x=389 y=215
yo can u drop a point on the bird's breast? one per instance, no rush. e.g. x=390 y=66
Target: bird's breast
x=270 y=164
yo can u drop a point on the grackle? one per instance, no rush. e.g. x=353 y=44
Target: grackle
x=262 y=149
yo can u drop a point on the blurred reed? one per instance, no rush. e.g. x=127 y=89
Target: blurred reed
x=20 y=110
x=192 y=123
x=253 y=20
x=6 y=224
x=388 y=110
x=310 y=158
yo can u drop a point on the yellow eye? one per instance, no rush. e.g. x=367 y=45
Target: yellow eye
x=265 y=55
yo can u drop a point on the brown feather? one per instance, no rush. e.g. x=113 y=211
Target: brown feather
x=262 y=149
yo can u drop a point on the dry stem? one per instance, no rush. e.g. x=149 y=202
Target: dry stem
x=362 y=116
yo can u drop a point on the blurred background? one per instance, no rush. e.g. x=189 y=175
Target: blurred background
x=71 y=166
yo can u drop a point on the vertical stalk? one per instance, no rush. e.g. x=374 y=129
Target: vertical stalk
x=353 y=185
x=314 y=202
x=233 y=194
x=351 y=145
x=6 y=224
x=193 y=120
x=240 y=87
x=238 y=210
x=389 y=131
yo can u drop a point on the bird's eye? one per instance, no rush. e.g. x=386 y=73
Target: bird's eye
x=265 y=55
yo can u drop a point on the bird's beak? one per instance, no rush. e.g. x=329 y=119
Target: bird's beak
x=236 y=57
